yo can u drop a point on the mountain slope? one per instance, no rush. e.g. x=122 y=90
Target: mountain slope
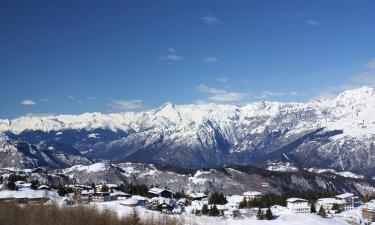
x=334 y=133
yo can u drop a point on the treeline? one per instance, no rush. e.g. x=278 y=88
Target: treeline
x=134 y=189
x=13 y=214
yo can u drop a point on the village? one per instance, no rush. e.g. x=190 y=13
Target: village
x=251 y=204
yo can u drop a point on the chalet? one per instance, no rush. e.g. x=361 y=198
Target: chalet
x=368 y=211
x=328 y=203
x=349 y=199
x=252 y=195
x=161 y=204
x=298 y=205
x=197 y=196
x=164 y=193
x=101 y=197
x=83 y=196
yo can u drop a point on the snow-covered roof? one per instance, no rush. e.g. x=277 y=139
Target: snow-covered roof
x=87 y=192
x=296 y=200
x=345 y=195
x=43 y=187
x=119 y=193
x=329 y=201
x=158 y=190
x=29 y=193
x=197 y=195
x=155 y=190
x=252 y=193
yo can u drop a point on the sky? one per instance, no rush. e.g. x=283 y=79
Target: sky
x=70 y=57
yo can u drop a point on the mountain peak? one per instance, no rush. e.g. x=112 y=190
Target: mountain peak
x=357 y=93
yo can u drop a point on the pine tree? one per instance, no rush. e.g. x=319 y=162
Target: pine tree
x=243 y=204
x=34 y=184
x=205 y=209
x=269 y=215
x=214 y=211
x=133 y=218
x=313 y=209
x=322 y=212
x=336 y=207
x=11 y=185
x=260 y=214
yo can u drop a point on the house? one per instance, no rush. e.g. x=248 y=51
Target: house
x=368 y=211
x=84 y=196
x=328 y=203
x=119 y=195
x=161 y=204
x=157 y=192
x=298 y=205
x=252 y=195
x=232 y=210
x=349 y=199
x=101 y=197
x=199 y=196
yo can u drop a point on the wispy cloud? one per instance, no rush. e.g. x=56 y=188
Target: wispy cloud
x=204 y=88
x=269 y=94
x=210 y=60
x=222 y=79
x=126 y=105
x=229 y=97
x=171 y=55
x=221 y=95
x=313 y=22
x=210 y=20
x=27 y=102
x=365 y=78
x=38 y=114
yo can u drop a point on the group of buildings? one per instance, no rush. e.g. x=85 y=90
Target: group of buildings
x=340 y=202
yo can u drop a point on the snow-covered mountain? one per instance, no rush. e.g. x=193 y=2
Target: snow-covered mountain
x=334 y=133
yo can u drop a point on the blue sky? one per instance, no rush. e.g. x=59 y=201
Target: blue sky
x=107 y=56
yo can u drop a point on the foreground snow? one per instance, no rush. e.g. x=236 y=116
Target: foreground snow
x=282 y=214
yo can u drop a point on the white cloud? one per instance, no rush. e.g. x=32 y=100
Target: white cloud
x=313 y=22
x=267 y=94
x=171 y=55
x=365 y=78
x=204 y=88
x=27 y=102
x=222 y=79
x=126 y=105
x=38 y=114
x=221 y=95
x=371 y=64
x=210 y=20
x=210 y=60
x=229 y=97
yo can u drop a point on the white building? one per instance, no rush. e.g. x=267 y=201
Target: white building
x=368 y=211
x=298 y=205
x=328 y=203
x=349 y=199
x=252 y=195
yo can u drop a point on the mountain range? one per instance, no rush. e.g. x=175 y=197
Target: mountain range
x=337 y=133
